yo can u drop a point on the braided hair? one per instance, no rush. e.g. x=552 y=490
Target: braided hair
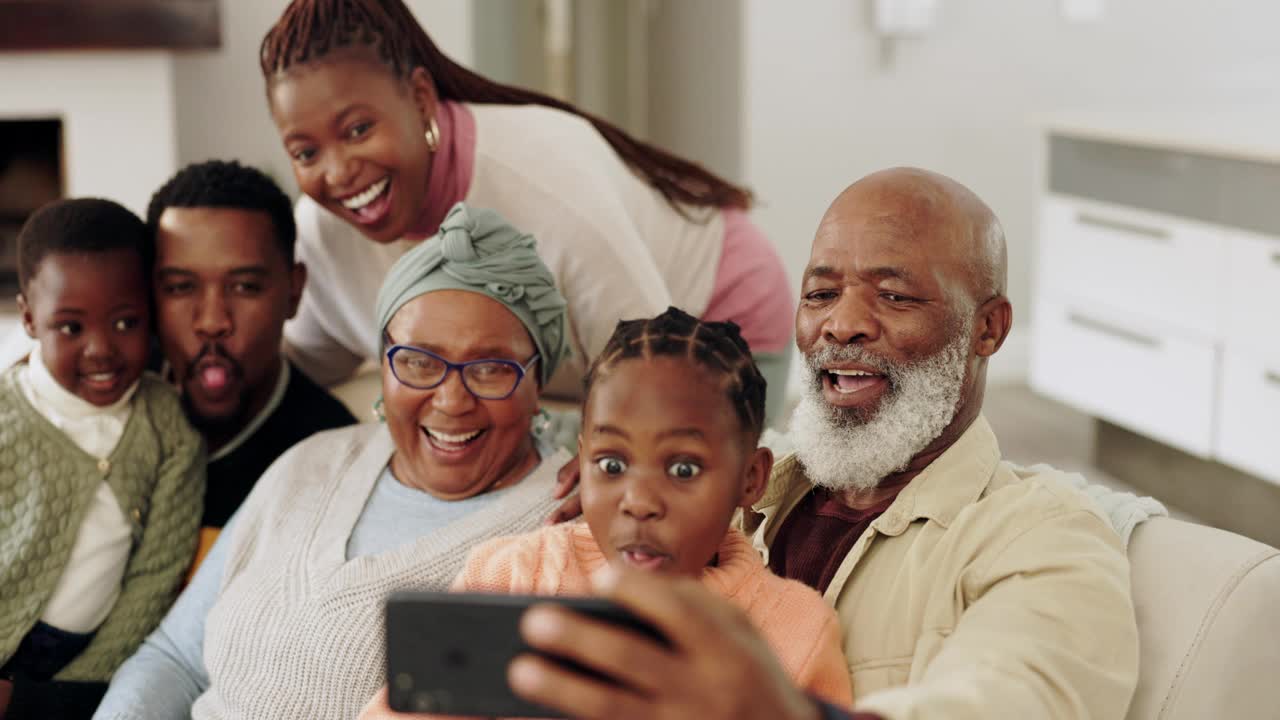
x=717 y=346
x=309 y=29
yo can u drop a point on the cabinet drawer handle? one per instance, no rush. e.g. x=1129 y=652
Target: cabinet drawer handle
x=1272 y=377
x=1146 y=231
x=1113 y=331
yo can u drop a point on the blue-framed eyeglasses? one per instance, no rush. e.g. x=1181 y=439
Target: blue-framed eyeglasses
x=487 y=379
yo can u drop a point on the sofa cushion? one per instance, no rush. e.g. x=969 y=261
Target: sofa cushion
x=1208 y=609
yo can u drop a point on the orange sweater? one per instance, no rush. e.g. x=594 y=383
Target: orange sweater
x=800 y=628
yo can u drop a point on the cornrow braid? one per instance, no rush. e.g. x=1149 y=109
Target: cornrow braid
x=310 y=29
x=717 y=346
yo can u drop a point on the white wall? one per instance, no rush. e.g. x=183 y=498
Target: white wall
x=508 y=36
x=131 y=119
x=222 y=109
x=667 y=71
x=695 y=73
x=118 y=134
x=822 y=109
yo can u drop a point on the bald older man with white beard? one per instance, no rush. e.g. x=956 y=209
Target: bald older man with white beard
x=966 y=587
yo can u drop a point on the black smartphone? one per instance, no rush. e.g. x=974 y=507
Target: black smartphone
x=447 y=653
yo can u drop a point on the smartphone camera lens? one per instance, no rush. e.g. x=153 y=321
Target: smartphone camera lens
x=423 y=702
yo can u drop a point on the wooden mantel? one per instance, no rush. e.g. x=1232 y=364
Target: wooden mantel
x=31 y=25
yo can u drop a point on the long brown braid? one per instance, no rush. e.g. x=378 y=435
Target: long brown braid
x=717 y=346
x=310 y=29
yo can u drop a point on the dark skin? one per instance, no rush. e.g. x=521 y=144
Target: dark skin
x=347 y=123
x=566 y=480
x=925 y=256
x=898 y=289
x=906 y=219
x=223 y=292
x=665 y=463
x=89 y=313
x=460 y=325
x=714 y=648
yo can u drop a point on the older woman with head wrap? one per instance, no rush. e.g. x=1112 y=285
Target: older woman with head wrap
x=284 y=618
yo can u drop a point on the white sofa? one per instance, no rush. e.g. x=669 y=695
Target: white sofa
x=1208 y=606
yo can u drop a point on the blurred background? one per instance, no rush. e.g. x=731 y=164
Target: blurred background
x=1130 y=147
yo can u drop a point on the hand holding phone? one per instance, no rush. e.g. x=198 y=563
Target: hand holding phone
x=447 y=653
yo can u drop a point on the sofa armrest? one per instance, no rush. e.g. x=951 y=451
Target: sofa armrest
x=1208 y=610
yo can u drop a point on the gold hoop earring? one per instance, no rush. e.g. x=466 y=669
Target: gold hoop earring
x=432 y=135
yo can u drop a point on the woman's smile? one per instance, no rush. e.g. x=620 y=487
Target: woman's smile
x=371 y=205
x=355 y=135
x=454 y=444
x=453 y=447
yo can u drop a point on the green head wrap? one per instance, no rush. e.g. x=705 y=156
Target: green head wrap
x=476 y=250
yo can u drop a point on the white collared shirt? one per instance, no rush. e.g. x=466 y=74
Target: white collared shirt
x=90 y=582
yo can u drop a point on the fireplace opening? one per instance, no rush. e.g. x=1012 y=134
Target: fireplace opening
x=31 y=173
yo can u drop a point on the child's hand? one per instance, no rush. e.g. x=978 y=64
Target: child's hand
x=566 y=481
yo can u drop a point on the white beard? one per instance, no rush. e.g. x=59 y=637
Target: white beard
x=842 y=451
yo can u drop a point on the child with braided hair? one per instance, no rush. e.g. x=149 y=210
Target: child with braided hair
x=673 y=413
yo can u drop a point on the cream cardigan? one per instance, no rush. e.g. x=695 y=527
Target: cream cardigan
x=297 y=630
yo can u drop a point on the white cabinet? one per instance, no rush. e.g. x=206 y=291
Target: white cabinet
x=1249 y=420
x=1251 y=316
x=1157 y=306
x=1156 y=382
x=1138 y=263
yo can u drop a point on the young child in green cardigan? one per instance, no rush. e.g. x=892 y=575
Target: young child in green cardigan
x=101 y=476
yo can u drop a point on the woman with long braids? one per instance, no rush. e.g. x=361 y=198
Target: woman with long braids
x=386 y=133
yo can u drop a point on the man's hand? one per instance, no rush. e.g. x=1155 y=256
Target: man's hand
x=717 y=667
x=566 y=480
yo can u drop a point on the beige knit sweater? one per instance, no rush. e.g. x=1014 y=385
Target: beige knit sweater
x=297 y=631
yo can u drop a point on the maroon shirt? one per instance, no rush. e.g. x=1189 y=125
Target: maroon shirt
x=811 y=544
x=815 y=538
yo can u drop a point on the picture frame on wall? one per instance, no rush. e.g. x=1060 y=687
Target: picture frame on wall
x=41 y=25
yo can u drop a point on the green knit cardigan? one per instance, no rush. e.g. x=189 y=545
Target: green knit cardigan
x=46 y=485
